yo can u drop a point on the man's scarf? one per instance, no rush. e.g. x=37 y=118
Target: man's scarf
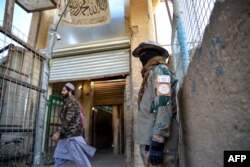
x=145 y=73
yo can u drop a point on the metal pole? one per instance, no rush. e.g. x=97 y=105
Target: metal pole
x=169 y=14
x=40 y=116
x=181 y=37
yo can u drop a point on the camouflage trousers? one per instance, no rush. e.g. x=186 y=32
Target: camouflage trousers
x=170 y=159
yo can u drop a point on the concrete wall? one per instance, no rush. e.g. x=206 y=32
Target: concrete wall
x=87 y=101
x=215 y=95
x=34 y=27
x=47 y=19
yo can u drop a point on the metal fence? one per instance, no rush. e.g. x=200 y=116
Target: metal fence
x=20 y=88
x=190 y=20
x=55 y=104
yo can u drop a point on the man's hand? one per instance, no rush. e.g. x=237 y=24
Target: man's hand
x=55 y=136
x=156 y=153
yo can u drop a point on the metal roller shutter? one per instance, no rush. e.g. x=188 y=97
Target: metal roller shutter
x=89 y=66
x=109 y=93
x=91 y=60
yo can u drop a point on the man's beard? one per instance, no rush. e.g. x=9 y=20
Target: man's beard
x=65 y=96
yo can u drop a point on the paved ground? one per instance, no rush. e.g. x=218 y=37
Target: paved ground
x=104 y=158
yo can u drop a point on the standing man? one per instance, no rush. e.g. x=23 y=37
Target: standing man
x=157 y=128
x=71 y=145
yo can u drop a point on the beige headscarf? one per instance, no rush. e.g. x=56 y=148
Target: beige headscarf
x=145 y=73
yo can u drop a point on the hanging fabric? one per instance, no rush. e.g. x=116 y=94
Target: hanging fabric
x=84 y=12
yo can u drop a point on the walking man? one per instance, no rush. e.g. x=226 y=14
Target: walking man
x=157 y=128
x=71 y=144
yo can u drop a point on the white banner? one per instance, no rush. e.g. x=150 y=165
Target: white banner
x=85 y=12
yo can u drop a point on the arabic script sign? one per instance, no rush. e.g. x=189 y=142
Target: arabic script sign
x=85 y=12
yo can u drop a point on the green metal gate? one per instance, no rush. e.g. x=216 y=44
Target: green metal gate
x=54 y=105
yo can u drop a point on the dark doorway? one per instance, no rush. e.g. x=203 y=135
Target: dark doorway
x=102 y=127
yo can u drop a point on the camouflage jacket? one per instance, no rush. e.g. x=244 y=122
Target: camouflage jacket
x=70 y=119
x=158 y=105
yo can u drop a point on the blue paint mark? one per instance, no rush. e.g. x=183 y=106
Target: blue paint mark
x=218 y=41
x=212 y=54
x=199 y=54
x=194 y=80
x=217 y=44
x=219 y=71
x=193 y=85
x=213 y=42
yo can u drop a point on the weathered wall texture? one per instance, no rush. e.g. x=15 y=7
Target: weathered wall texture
x=33 y=33
x=47 y=19
x=215 y=97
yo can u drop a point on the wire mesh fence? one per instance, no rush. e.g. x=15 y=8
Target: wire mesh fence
x=194 y=17
x=20 y=88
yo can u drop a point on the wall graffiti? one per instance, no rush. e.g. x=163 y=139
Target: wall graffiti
x=215 y=52
x=215 y=61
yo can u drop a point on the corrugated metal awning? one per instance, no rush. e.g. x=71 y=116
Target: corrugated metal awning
x=109 y=93
x=89 y=66
x=91 y=61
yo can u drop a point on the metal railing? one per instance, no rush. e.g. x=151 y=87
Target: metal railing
x=190 y=20
x=20 y=89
